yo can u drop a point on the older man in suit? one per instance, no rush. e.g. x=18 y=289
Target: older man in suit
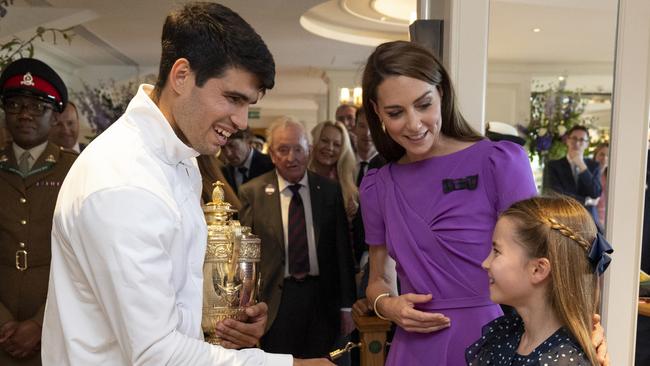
x=306 y=260
x=575 y=175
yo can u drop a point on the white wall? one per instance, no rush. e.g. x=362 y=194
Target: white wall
x=509 y=86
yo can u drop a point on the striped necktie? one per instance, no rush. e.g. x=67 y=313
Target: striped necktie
x=298 y=249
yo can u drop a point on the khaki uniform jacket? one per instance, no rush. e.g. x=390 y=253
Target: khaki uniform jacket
x=26 y=225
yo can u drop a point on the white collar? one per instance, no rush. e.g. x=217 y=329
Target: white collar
x=369 y=158
x=284 y=184
x=156 y=130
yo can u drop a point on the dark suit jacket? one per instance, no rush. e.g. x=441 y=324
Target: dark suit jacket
x=559 y=178
x=260 y=164
x=358 y=232
x=261 y=211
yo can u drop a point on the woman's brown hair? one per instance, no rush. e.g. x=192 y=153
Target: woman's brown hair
x=560 y=229
x=401 y=58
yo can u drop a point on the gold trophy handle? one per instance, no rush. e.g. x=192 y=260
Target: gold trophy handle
x=236 y=245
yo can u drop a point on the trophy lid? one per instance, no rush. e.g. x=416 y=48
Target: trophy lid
x=218 y=209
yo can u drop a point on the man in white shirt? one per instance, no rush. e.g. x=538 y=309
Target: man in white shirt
x=129 y=236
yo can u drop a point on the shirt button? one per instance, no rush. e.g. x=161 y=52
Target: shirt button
x=23 y=222
x=22 y=245
x=23 y=200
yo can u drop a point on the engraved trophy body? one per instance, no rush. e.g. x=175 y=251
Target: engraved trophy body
x=230 y=270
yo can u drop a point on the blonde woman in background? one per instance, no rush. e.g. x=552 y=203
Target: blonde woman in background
x=332 y=157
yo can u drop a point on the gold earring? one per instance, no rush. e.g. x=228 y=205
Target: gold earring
x=383 y=126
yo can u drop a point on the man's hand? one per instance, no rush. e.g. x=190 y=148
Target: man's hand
x=312 y=362
x=6 y=331
x=347 y=324
x=577 y=159
x=25 y=340
x=599 y=341
x=236 y=334
x=361 y=307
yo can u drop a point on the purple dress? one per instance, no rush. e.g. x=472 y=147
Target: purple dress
x=439 y=240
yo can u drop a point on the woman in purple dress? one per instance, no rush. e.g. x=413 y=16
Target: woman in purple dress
x=432 y=208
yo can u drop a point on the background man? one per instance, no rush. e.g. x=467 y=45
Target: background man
x=346 y=114
x=129 y=234
x=575 y=175
x=306 y=258
x=244 y=162
x=65 y=130
x=31 y=173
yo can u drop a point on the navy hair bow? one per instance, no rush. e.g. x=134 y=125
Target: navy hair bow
x=598 y=254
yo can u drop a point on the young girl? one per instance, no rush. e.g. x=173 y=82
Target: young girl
x=545 y=262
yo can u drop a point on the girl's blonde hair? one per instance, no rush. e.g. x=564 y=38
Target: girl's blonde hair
x=560 y=229
x=346 y=163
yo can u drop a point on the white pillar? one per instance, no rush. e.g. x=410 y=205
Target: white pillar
x=465 y=55
x=627 y=177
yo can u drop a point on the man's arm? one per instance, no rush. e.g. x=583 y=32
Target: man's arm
x=589 y=182
x=126 y=254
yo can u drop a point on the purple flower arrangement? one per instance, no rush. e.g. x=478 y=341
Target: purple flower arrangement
x=104 y=104
x=552 y=113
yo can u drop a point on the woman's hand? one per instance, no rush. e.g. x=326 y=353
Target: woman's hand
x=351 y=209
x=599 y=341
x=400 y=309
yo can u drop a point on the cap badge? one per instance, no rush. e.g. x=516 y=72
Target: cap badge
x=28 y=80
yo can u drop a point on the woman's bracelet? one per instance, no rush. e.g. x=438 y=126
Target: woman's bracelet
x=374 y=305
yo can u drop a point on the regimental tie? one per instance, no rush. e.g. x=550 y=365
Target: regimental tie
x=298 y=250
x=23 y=162
x=362 y=171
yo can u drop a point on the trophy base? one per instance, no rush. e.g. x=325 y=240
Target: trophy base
x=214 y=316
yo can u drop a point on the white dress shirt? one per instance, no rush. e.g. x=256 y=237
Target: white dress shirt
x=285 y=200
x=128 y=243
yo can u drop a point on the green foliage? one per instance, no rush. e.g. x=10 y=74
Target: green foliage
x=17 y=48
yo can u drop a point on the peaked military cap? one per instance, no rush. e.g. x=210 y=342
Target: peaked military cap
x=34 y=78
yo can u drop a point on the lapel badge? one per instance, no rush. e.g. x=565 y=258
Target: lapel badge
x=269 y=189
x=50 y=159
x=28 y=80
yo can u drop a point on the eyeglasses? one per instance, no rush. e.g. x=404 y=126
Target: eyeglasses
x=575 y=139
x=35 y=109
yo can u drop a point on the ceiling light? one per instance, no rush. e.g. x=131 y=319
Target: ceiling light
x=354 y=98
x=401 y=9
x=537 y=30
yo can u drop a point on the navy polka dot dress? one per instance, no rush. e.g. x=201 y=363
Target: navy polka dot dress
x=500 y=339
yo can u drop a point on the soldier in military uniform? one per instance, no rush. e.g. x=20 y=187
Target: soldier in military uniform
x=31 y=173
